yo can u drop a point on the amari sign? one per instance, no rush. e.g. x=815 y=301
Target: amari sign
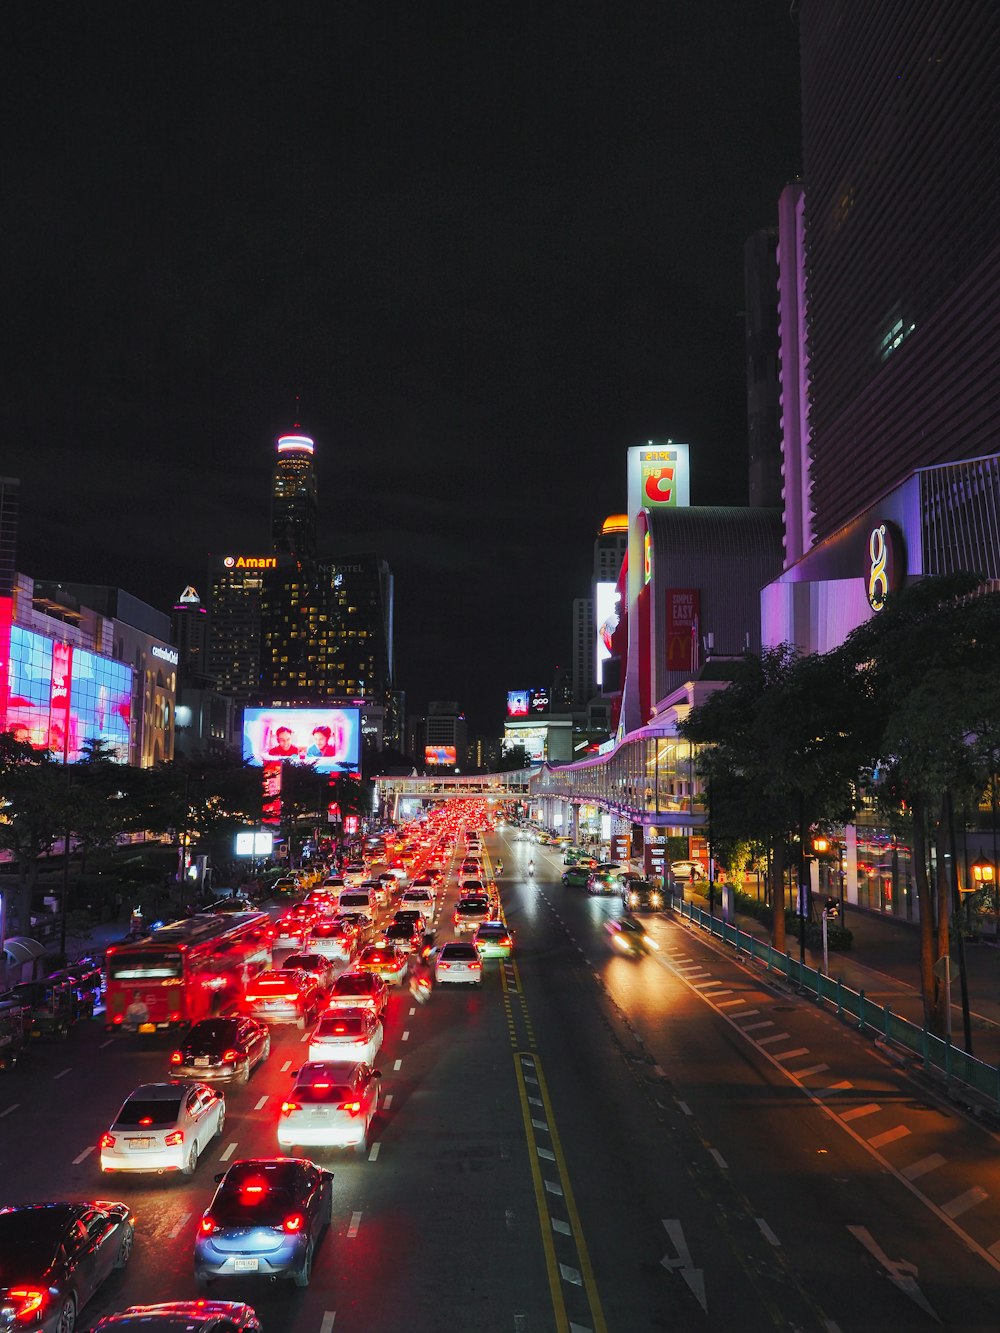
x=885 y=563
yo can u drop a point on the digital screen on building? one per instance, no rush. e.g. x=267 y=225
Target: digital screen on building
x=606 y=616
x=440 y=754
x=255 y=843
x=532 y=738
x=329 y=739
x=60 y=696
x=539 y=702
x=517 y=703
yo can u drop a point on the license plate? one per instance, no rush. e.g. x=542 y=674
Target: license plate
x=246 y=1265
x=139 y=1144
x=274 y=1004
x=147 y=1027
x=201 y=1061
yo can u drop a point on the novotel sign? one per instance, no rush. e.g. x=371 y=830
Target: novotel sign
x=250 y=561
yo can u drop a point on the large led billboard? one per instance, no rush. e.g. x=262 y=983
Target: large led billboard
x=440 y=754
x=606 y=616
x=520 y=703
x=328 y=739
x=59 y=696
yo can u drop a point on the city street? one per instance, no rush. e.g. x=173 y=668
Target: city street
x=586 y=1142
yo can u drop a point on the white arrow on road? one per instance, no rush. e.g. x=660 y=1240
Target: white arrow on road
x=902 y=1274
x=694 y=1277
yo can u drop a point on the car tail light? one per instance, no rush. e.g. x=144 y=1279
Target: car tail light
x=174 y=1138
x=145 y=1121
x=107 y=1141
x=294 y=1222
x=444 y=966
x=288 y=1107
x=353 y=1107
x=228 y=1057
x=207 y=1225
x=118 y=1018
x=475 y=965
x=31 y=1301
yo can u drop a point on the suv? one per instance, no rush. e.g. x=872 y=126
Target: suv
x=641 y=895
x=217 y=1050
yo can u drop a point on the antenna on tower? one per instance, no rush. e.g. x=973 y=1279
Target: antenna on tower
x=297 y=423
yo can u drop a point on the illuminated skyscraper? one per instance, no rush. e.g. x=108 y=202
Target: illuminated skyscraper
x=294 y=502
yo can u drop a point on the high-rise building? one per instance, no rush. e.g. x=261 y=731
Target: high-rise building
x=189 y=628
x=760 y=285
x=294 y=500
x=584 y=649
x=900 y=122
x=236 y=586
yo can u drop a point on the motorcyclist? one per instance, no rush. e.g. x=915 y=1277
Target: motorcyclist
x=499 y=865
x=531 y=866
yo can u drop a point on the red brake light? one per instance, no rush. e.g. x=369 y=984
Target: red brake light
x=353 y=1107
x=145 y=1120
x=288 y=1107
x=176 y=1057
x=229 y=1056
x=30 y=1301
x=206 y=1225
x=444 y=966
x=294 y=1222
x=252 y=1192
x=175 y=1137
x=107 y=1141
x=118 y=1018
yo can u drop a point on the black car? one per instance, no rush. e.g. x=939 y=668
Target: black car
x=189 y=1316
x=219 y=1050
x=266 y=1219
x=53 y=1258
x=641 y=895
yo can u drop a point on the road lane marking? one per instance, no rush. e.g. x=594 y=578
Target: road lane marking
x=728 y=1004
x=387 y=1102
x=62 y=1073
x=775 y=1036
x=540 y=1124
x=411 y=1013
x=86 y=1153
x=807 y=1073
x=261 y=1104
x=964 y=1202
x=327 y=1323
x=225 y=1155
x=286 y=1066
x=754 y=1027
x=9 y=1109
x=553 y=1187
x=767 y=1233
x=398 y=1066
x=890 y=1136
x=571 y=1275
x=856 y=1112
x=355 y=1223
x=719 y=1159
x=562 y=1227
x=925 y=1165
x=405 y=1036
x=704 y=985
x=546 y=1153
x=185 y=1218
x=791 y=1055
x=685 y=1108
x=105 y=1043
x=834 y=1087
x=747 y=1013
x=373 y=1155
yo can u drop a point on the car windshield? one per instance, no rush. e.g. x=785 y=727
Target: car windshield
x=243 y=1206
x=341 y=1027
x=143 y=1112
x=490 y=931
x=320 y=1093
x=28 y=1239
x=308 y=962
x=353 y=985
x=148 y=964
x=210 y=1031
x=473 y=905
x=460 y=952
x=354 y=900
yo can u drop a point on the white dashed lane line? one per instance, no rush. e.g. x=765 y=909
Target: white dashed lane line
x=326 y=1326
x=105 y=1043
x=775 y=1036
x=62 y=1073
x=355 y=1223
x=397 y=1066
x=926 y=1164
x=225 y=1155
x=261 y=1104
x=80 y=1157
x=9 y=1109
x=373 y=1155
x=286 y=1066
x=890 y=1136
x=856 y=1112
x=766 y=1232
x=387 y=1102
x=179 y=1226
x=791 y=1055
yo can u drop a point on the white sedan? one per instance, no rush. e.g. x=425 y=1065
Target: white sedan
x=346 y=1035
x=163 y=1127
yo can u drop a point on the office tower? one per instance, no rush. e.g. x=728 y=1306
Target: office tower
x=236 y=586
x=189 y=628
x=760 y=299
x=294 y=503
x=900 y=120
x=584 y=649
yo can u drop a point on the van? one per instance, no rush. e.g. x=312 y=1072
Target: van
x=357 y=902
x=354 y=873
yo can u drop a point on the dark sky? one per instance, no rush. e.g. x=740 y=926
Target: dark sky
x=491 y=246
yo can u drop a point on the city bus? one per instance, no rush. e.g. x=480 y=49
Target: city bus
x=188 y=970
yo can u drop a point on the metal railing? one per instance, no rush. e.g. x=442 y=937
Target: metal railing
x=852 y=1006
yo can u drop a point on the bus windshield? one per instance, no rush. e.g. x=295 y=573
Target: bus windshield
x=150 y=964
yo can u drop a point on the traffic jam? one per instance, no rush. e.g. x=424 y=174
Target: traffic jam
x=327 y=976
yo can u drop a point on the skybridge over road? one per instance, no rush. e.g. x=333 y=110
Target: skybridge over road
x=389 y=792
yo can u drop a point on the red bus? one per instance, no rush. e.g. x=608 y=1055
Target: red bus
x=191 y=969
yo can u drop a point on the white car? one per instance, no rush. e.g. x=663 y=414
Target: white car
x=688 y=872
x=330 y=1106
x=346 y=1035
x=421 y=899
x=163 y=1127
x=354 y=873
x=458 y=963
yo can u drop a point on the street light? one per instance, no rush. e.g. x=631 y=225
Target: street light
x=984 y=875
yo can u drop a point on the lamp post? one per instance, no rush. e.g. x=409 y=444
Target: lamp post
x=984 y=876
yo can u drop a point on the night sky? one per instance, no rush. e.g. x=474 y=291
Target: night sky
x=491 y=246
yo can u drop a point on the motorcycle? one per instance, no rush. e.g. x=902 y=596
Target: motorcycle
x=531 y=868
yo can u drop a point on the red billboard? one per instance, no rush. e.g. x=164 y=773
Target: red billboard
x=683 y=610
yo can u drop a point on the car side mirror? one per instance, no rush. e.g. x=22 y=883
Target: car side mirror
x=376 y=1073
x=294 y=1073
x=220 y=1177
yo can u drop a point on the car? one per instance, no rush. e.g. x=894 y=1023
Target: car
x=604 y=881
x=457 y=962
x=576 y=877
x=291 y=931
x=359 y=990
x=471 y=866
x=470 y=913
x=183 y=1317
x=334 y=883
x=354 y=873
x=284 y=886
x=688 y=872
x=421 y=899
x=163 y=1127
x=401 y=935
x=629 y=937
x=221 y=1050
x=641 y=895
x=494 y=940
x=336 y=938
x=283 y=995
x=349 y=1034
x=358 y=902
x=323 y=901
x=317 y=965
x=424 y=881
x=266 y=1219
x=54 y=1258
x=385 y=961
x=330 y=1106
x=411 y=916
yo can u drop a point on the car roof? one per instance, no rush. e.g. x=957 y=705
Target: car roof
x=157 y=1092
x=339 y=1072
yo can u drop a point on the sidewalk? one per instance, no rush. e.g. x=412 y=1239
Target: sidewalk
x=885 y=963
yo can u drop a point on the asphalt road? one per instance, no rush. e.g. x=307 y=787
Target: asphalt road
x=587 y=1142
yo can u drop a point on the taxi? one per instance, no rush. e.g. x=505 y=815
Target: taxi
x=385 y=961
x=494 y=940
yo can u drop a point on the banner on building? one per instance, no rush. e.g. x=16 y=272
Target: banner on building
x=683 y=611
